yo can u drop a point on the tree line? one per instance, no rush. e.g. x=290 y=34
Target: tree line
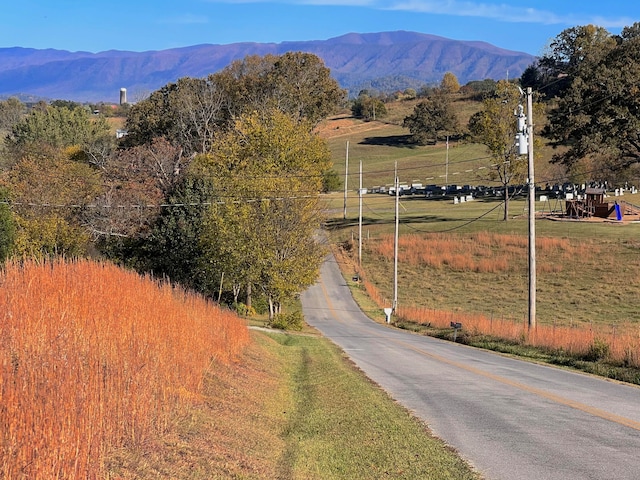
x=215 y=186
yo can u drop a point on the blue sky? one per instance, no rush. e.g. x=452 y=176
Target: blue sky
x=141 y=25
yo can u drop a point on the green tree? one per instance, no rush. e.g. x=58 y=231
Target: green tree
x=367 y=107
x=431 y=118
x=69 y=104
x=597 y=116
x=479 y=89
x=495 y=127
x=60 y=127
x=576 y=48
x=7 y=226
x=409 y=94
x=260 y=230
x=173 y=249
x=551 y=74
x=331 y=181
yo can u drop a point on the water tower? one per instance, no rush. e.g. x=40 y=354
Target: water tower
x=123 y=96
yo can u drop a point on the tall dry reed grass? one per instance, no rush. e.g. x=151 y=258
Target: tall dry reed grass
x=93 y=358
x=473 y=253
x=620 y=344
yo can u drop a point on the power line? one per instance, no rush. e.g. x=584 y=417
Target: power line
x=158 y=205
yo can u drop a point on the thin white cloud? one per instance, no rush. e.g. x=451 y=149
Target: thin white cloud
x=342 y=3
x=518 y=13
x=186 y=19
x=504 y=13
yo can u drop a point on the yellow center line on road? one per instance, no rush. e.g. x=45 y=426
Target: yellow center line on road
x=627 y=422
x=328 y=300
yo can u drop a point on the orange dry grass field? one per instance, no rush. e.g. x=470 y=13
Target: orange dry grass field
x=95 y=358
x=474 y=253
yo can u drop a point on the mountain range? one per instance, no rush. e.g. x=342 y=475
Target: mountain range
x=380 y=61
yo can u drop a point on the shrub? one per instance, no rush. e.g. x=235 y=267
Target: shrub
x=242 y=310
x=288 y=321
x=598 y=350
x=260 y=304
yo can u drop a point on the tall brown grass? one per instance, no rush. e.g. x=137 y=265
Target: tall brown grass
x=94 y=358
x=474 y=253
x=620 y=344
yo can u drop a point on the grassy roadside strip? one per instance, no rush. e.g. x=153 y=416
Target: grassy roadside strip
x=232 y=431
x=292 y=408
x=344 y=427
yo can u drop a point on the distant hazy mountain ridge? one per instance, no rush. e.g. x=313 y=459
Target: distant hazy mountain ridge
x=355 y=60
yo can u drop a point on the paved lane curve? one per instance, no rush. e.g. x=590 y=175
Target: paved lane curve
x=511 y=419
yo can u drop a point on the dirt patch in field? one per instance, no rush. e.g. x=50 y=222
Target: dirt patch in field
x=343 y=125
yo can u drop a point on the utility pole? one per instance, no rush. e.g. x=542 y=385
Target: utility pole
x=524 y=141
x=532 y=214
x=395 y=244
x=346 y=177
x=446 y=170
x=360 y=220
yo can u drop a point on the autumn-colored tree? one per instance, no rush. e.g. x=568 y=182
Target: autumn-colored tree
x=260 y=229
x=303 y=87
x=49 y=194
x=296 y=83
x=191 y=111
x=136 y=182
x=449 y=83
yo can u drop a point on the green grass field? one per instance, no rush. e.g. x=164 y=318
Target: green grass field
x=382 y=144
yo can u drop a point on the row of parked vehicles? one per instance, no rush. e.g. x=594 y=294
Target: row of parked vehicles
x=555 y=190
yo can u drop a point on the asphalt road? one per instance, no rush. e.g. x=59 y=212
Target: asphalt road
x=510 y=419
